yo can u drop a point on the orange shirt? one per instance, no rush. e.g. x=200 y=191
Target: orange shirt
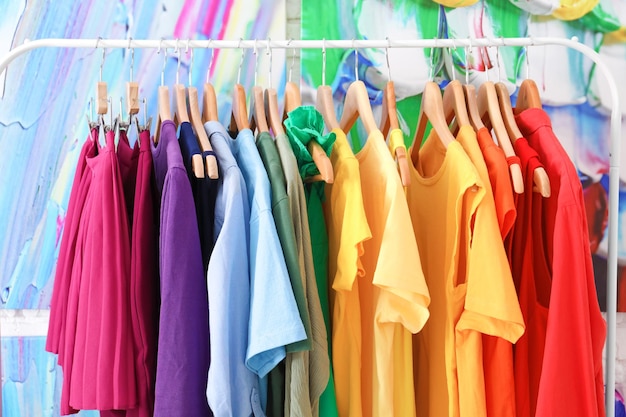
x=347 y=230
x=464 y=271
x=497 y=352
x=393 y=294
x=500 y=180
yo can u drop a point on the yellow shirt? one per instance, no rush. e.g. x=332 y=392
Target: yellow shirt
x=393 y=294
x=464 y=271
x=347 y=230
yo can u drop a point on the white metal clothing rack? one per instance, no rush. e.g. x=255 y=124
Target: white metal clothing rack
x=573 y=43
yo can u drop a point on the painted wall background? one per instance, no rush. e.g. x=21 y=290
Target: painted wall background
x=43 y=125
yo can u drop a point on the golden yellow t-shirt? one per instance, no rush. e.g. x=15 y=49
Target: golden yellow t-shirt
x=393 y=294
x=463 y=269
x=347 y=230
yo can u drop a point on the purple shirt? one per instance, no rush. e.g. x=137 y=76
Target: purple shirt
x=182 y=358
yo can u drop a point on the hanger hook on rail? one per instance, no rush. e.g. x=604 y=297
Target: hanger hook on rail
x=208 y=70
x=256 y=62
x=132 y=58
x=356 y=60
x=293 y=60
x=178 y=58
x=269 y=54
x=164 y=61
x=103 y=56
x=323 y=61
x=240 y=62
x=387 y=58
x=468 y=54
x=431 y=75
x=189 y=50
x=453 y=71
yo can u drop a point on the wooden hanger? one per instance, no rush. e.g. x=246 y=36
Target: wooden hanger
x=324 y=102
x=292 y=101
x=258 y=120
x=163 y=100
x=181 y=115
x=209 y=100
x=540 y=176
x=528 y=96
x=132 y=88
x=239 y=110
x=472 y=107
x=389 y=121
x=431 y=111
x=197 y=164
x=357 y=105
x=489 y=109
x=273 y=112
x=455 y=106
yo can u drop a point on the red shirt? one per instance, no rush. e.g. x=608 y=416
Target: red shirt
x=571 y=381
x=528 y=268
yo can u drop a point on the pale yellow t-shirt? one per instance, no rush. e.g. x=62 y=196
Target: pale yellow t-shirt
x=393 y=294
x=464 y=270
x=347 y=230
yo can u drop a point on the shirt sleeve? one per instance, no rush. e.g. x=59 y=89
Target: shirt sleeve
x=491 y=304
x=274 y=318
x=404 y=297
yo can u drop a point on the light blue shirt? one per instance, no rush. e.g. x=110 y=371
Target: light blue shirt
x=232 y=388
x=274 y=317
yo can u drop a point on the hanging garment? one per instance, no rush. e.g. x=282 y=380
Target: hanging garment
x=393 y=295
x=307 y=373
x=274 y=319
x=316 y=290
x=67 y=251
x=204 y=190
x=144 y=278
x=182 y=360
x=531 y=275
x=576 y=331
x=463 y=270
x=347 y=231
x=232 y=389
x=500 y=180
x=497 y=352
x=127 y=158
x=102 y=374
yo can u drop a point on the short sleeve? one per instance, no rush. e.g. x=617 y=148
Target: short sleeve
x=399 y=274
x=274 y=318
x=491 y=303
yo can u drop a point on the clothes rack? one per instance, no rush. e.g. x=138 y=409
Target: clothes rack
x=573 y=43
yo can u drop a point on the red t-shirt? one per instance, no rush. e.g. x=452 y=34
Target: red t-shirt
x=500 y=180
x=571 y=381
x=528 y=268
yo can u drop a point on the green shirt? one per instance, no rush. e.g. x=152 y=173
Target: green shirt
x=303 y=125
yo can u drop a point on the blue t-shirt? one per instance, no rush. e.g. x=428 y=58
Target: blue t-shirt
x=232 y=389
x=274 y=318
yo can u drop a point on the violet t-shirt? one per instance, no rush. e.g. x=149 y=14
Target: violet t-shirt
x=182 y=353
